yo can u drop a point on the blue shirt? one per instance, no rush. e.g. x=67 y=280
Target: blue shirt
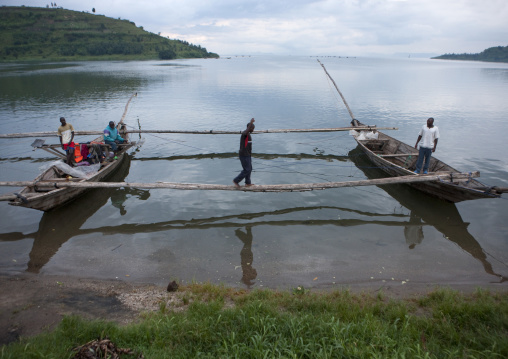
x=111 y=134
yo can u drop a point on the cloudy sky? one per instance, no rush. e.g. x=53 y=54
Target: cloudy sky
x=314 y=27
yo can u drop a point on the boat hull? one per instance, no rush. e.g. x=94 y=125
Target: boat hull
x=397 y=158
x=50 y=198
x=59 y=197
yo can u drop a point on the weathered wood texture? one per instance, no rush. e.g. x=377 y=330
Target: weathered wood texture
x=257 y=188
x=207 y=132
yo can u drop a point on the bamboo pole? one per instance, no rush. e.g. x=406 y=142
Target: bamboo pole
x=340 y=93
x=205 y=132
x=440 y=176
x=127 y=106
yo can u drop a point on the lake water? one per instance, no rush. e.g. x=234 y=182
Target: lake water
x=365 y=236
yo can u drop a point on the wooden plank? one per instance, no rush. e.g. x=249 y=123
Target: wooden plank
x=256 y=188
x=289 y=130
x=53 y=151
x=206 y=132
x=399 y=155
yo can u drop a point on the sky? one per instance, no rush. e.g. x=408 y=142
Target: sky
x=313 y=27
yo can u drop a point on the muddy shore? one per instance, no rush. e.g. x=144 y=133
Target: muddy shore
x=31 y=304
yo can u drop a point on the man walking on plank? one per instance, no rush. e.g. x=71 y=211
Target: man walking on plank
x=245 y=154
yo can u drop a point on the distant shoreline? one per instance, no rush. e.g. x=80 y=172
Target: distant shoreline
x=492 y=54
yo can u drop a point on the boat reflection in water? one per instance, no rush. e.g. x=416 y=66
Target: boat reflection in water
x=443 y=216
x=60 y=224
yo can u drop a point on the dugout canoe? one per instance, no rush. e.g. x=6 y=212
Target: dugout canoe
x=45 y=198
x=397 y=158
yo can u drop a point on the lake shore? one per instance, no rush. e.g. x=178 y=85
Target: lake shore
x=31 y=304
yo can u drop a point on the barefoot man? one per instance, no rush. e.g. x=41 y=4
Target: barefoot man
x=245 y=154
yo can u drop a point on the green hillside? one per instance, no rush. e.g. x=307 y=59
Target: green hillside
x=492 y=54
x=55 y=34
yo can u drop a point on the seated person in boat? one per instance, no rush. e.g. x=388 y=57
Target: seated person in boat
x=111 y=136
x=66 y=135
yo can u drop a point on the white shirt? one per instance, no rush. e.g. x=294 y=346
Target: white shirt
x=428 y=136
x=66 y=133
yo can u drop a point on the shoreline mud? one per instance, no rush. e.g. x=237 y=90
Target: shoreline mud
x=31 y=304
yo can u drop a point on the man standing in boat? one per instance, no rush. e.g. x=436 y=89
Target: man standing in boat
x=245 y=154
x=66 y=135
x=111 y=136
x=429 y=134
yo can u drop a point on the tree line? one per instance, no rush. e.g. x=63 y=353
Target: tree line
x=30 y=33
x=492 y=54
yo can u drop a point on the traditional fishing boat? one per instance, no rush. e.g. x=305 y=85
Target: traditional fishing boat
x=397 y=158
x=45 y=195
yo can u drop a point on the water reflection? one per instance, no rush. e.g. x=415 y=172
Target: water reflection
x=413 y=231
x=59 y=225
x=443 y=216
x=35 y=83
x=249 y=273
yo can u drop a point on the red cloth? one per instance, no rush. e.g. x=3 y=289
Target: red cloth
x=70 y=145
x=84 y=151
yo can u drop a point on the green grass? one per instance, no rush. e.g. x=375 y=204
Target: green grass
x=221 y=322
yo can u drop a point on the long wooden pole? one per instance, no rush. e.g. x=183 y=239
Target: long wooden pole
x=340 y=93
x=441 y=176
x=127 y=107
x=206 y=132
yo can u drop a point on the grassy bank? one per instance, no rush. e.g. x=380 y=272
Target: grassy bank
x=56 y=34
x=213 y=321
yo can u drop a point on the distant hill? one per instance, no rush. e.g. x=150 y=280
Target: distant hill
x=493 y=54
x=55 y=34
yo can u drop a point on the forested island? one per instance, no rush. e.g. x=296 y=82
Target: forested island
x=492 y=54
x=56 y=34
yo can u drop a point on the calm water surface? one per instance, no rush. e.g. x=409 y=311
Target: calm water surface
x=325 y=239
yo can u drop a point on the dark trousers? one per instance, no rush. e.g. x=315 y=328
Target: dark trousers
x=247 y=169
x=423 y=156
x=113 y=145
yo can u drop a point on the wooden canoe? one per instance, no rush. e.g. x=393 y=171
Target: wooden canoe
x=48 y=198
x=397 y=158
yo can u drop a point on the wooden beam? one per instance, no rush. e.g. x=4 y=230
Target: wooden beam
x=399 y=155
x=218 y=132
x=442 y=176
x=206 y=132
x=53 y=151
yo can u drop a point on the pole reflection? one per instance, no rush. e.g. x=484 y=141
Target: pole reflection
x=58 y=226
x=443 y=216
